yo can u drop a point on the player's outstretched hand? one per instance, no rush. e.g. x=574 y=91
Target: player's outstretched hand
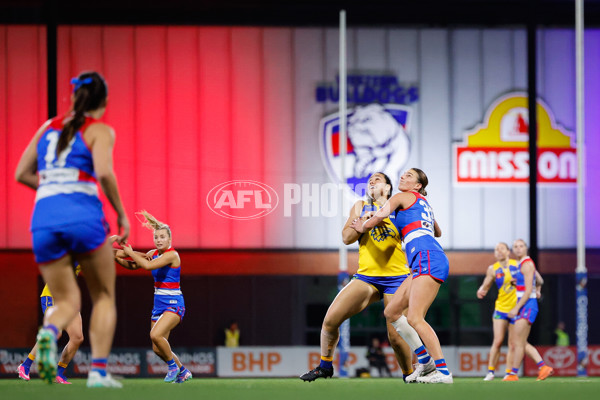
x=124 y=227
x=127 y=249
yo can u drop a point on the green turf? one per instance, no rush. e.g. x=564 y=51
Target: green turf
x=293 y=388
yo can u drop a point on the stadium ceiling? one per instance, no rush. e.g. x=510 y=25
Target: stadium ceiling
x=300 y=12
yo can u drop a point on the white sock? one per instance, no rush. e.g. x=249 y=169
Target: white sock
x=408 y=333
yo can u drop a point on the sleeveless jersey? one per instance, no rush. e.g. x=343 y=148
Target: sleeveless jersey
x=507 y=298
x=167 y=278
x=380 y=250
x=232 y=338
x=520 y=279
x=67 y=191
x=415 y=225
x=46 y=291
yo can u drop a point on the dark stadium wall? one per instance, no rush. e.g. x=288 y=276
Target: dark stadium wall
x=269 y=293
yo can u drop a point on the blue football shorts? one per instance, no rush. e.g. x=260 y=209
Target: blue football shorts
x=50 y=244
x=383 y=284
x=165 y=303
x=433 y=263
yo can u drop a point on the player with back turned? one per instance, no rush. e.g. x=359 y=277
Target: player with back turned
x=65 y=160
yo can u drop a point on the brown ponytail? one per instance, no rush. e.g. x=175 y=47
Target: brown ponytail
x=422 y=179
x=90 y=94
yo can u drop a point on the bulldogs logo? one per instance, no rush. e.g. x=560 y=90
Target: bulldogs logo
x=377 y=141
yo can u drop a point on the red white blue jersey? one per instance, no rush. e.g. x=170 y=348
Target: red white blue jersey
x=167 y=278
x=520 y=280
x=67 y=191
x=416 y=222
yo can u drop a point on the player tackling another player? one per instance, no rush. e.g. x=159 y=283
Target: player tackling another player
x=412 y=215
x=382 y=272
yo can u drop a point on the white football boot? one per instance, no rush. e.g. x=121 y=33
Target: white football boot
x=435 y=377
x=421 y=370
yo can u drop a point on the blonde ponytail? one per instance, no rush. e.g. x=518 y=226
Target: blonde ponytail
x=152 y=223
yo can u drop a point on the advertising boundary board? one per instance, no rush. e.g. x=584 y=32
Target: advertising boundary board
x=292 y=361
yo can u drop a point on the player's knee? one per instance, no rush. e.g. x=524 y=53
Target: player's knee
x=76 y=338
x=414 y=320
x=391 y=315
x=329 y=325
x=155 y=337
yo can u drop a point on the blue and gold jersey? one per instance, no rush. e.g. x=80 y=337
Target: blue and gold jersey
x=380 y=250
x=507 y=297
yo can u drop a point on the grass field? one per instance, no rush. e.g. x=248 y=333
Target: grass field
x=293 y=388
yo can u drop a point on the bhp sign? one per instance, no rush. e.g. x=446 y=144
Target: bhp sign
x=497 y=150
x=242 y=199
x=284 y=361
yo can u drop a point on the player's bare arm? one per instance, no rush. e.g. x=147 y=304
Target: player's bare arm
x=487 y=283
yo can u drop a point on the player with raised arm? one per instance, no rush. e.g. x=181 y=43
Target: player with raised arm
x=381 y=272
x=500 y=274
x=412 y=215
x=169 y=307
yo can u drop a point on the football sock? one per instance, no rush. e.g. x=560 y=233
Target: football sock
x=326 y=362
x=99 y=365
x=541 y=364
x=172 y=364
x=407 y=373
x=60 y=370
x=28 y=361
x=492 y=369
x=422 y=355
x=441 y=366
